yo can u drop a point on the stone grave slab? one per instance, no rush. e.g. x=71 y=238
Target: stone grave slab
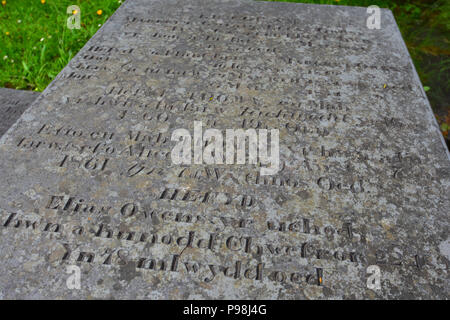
x=12 y=104
x=94 y=205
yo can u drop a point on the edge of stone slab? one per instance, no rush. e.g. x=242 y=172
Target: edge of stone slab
x=48 y=88
x=424 y=95
x=20 y=95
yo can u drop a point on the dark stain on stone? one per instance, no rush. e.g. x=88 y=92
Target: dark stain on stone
x=117 y=286
x=304 y=195
x=128 y=271
x=105 y=219
x=280 y=199
x=327 y=292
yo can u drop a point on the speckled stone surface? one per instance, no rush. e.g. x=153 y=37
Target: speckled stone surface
x=87 y=178
x=12 y=104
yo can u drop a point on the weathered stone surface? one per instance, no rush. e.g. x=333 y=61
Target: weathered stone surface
x=12 y=104
x=87 y=177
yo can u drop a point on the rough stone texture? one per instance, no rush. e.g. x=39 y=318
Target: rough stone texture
x=12 y=104
x=364 y=179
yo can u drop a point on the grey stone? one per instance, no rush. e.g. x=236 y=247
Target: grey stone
x=12 y=104
x=87 y=177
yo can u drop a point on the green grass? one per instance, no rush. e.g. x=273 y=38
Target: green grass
x=35 y=43
x=39 y=44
